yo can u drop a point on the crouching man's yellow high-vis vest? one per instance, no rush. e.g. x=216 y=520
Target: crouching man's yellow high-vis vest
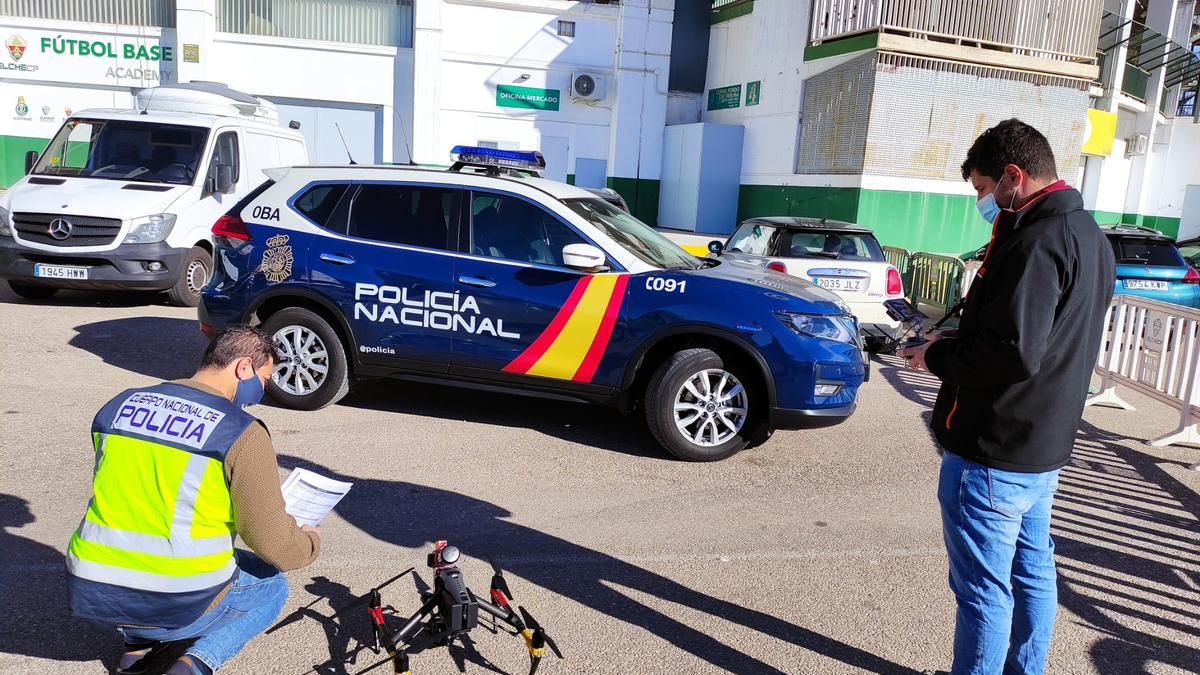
x=156 y=544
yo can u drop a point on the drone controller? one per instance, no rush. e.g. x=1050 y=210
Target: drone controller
x=448 y=612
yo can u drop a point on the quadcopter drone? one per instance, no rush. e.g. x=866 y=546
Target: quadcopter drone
x=447 y=613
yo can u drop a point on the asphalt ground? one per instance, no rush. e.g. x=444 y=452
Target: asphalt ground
x=819 y=552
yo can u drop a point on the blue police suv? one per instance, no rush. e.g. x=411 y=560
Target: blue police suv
x=489 y=278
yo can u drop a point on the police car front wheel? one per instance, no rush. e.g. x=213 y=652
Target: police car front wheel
x=698 y=407
x=312 y=371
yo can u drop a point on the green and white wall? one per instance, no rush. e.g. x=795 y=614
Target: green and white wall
x=878 y=136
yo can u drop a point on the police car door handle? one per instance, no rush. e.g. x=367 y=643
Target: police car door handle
x=337 y=259
x=476 y=281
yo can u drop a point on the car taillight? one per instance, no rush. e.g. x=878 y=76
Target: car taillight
x=894 y=285
x=232 y=227
x=1192 y=276
x=777 y=266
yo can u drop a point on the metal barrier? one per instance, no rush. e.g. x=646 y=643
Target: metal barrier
x=1153 y=347
x=1044 y=28
x=936 y=280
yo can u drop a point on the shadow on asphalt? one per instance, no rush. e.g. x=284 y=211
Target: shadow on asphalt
x=590 y=425
x=158 y=347
x=35 y=619
x=67 y=298
x=417 y=515
x=1128 y=545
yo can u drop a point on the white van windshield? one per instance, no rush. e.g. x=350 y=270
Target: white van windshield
x=124 y=150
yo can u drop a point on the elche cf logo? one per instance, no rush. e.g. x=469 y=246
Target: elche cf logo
x=16 y=47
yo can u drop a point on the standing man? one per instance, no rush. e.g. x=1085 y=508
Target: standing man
x=180 y=469
x=1014 y=379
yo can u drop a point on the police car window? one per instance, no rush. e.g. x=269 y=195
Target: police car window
x=752 y=238
x=514 y=229
x=225 y=153
x=318 y=204
x=402 y=214
x=632 y=234
x=856 y=246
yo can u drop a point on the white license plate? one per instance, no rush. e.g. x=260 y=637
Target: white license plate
x=840 y=284
x=59 y=272
x=1145 y=285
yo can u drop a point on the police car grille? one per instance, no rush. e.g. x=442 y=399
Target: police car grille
x=85 y=230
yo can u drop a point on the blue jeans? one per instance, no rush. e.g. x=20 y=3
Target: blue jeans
x=997 y=530
x=249 y=608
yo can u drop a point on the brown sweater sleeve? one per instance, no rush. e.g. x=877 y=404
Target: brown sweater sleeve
x=253 y=474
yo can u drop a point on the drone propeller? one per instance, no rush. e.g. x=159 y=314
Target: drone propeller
x=367 y=598
x=540 y=639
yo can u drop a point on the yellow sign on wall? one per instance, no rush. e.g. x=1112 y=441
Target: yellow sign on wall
x=1099 y=133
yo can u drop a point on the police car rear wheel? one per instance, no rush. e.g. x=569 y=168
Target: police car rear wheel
x=30 y=292
x=312 y=372
x=698 y=407
x=192 y=276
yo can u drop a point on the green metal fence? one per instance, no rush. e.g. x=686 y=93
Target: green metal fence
x=936 y=281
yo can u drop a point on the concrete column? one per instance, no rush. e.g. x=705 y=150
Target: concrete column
x=1160 y=16
x=639 y=113
x=428 y=147
x=195 y=24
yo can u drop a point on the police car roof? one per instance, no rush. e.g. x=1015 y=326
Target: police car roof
x=810 y=223
x=396 y=171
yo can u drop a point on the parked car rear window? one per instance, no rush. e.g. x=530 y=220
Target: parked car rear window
x=855 y=246
x=752 y=238
x=1144 y=251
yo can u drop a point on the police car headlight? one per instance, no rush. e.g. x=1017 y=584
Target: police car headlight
x=151 y=229
x=822 y=326
x=5 y=223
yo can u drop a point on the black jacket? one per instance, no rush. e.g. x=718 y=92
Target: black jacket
x=1015 y=377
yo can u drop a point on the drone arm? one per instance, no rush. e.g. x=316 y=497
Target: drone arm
x=410 y=627
x=505 y=614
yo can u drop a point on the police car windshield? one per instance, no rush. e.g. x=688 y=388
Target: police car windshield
x=124 y=150
x=633 y=235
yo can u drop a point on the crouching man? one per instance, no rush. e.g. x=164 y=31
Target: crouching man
x=180 y=470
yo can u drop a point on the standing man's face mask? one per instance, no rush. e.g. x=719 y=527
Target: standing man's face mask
x=988 y=208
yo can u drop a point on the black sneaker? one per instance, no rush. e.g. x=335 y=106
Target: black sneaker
x=138 y=656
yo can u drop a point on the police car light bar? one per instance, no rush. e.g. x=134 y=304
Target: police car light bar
x=513 y=159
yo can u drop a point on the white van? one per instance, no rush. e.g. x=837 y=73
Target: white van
x=126 y=199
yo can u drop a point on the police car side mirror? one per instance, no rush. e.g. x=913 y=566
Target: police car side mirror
x=715 y=246
x=583 y=257
x=31 y=159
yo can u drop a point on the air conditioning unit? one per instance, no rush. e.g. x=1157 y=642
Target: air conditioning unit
x=587 y=87
x=1136 y=144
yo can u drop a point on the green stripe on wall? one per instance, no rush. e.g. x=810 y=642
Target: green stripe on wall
x=641 y=194
x=12 y=156
x=843 y=46
x=913 y=220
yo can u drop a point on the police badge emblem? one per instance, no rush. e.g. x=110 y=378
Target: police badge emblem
x=277 y=259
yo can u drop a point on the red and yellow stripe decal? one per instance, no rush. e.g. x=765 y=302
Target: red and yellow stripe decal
x=572 y=345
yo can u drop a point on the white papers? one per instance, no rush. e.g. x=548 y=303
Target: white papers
x=308 y=496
